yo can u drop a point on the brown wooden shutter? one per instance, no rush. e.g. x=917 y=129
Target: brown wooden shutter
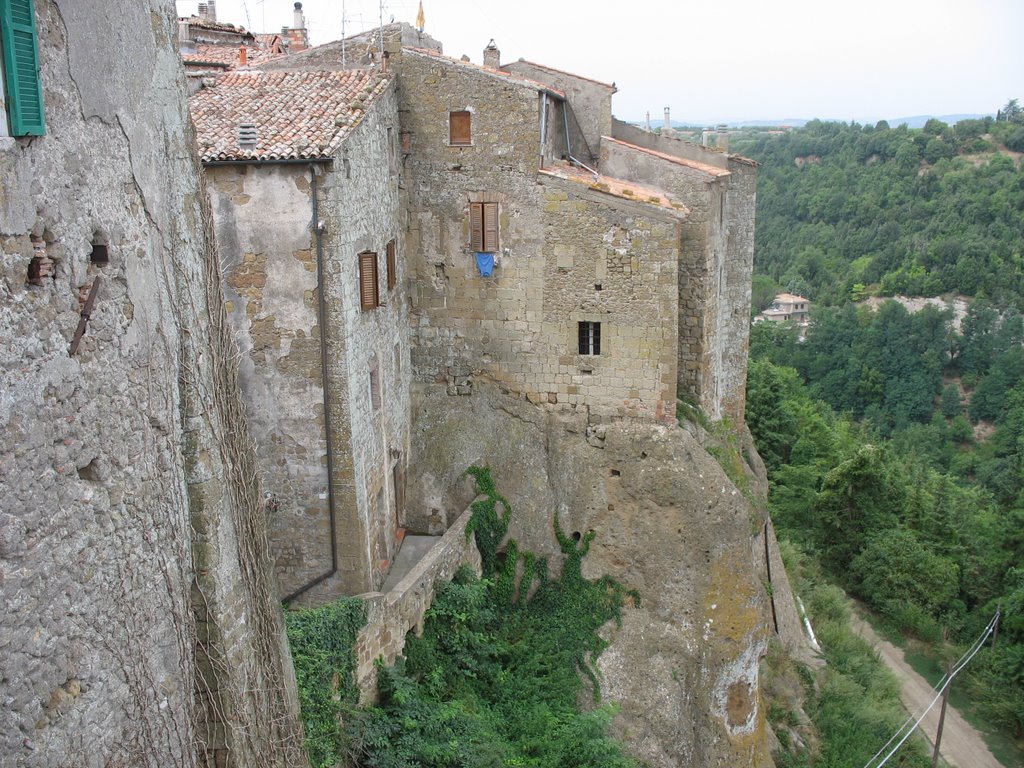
x=368 y=280
x=460 y=128
x=490 y=228
x=476 y=227
x=392 y=266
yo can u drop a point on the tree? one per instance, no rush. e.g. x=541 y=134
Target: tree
x=1011 y=113
x=859 y=497
x=951 y=401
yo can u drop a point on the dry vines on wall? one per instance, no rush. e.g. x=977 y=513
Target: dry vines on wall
x=247 y=693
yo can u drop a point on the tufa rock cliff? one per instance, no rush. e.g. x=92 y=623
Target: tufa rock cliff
x=683 y=667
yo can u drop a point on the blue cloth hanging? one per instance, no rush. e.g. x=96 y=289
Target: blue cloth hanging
x=485 y=263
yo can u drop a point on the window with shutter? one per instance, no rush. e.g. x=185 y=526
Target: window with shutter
x=460 y=128
x=392 y=265
x=483 y=227
x=21 y=67
x=369 y=298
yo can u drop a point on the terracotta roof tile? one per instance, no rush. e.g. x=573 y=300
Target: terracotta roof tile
x=710 y=170
x=228 y=55
x=217 y=26
x=297 y=115
x=621 y=188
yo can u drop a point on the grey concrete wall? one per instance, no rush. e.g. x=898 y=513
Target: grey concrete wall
x=111 y=459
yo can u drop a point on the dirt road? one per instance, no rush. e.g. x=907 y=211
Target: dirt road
x=962 y=745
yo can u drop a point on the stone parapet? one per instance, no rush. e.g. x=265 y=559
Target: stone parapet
x=391 y=615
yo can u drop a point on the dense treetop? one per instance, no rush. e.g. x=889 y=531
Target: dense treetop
x=845 y=209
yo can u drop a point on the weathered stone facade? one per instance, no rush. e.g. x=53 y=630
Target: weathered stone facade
x=286 y=233
x=718 y=258
x=137 y=623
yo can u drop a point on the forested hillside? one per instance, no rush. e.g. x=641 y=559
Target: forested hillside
x=845 y=210
x=894 y=444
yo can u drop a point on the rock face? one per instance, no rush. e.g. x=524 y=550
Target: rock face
x=684 y=665
x=138 y=626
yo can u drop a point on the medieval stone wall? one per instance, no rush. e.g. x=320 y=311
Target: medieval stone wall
x=391 y=616
x=591 y=101
x=726 y=233
x=567 y=254
x=270 y=284
x=615 y=263
x=127 y=534
x=360 y=210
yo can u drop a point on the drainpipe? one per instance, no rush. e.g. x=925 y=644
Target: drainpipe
x=543 y=124
x=318 y=229
x=568 y=144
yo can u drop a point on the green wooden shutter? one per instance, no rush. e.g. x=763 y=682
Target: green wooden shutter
x=21 y=67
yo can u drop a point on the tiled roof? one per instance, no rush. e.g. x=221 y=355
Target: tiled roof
x=710 y=170
x=228 y=55
x=297 y=115
x=621 y=188
x=216 y=26
x=610 y=86
x=508 y=76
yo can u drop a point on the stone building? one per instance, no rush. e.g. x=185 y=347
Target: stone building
x=302 y=173
x=537 y=243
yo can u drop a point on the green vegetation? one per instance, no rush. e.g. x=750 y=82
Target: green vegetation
x=323 y=642
x=927 y=531
x=854 y=704
x=844 y=211
x=494 y=680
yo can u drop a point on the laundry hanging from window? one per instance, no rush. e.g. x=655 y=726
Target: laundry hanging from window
x=485 y=263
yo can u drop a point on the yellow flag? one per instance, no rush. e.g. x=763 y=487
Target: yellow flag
x=420 y=21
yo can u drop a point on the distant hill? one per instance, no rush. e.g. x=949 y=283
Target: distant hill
x=915 y=121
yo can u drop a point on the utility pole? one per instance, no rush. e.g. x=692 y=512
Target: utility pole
x=945 y=701
x=942 y=720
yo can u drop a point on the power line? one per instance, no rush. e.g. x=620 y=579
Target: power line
x=944 y=683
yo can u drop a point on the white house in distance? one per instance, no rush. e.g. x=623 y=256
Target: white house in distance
x=788 y=306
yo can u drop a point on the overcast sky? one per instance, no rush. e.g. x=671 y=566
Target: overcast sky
x=722 y=60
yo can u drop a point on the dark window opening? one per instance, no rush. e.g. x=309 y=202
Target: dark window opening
x=392 y=265
x=99 y=254
x=589 y=338
x=598 y=287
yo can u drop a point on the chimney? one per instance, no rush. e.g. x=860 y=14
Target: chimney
x=722 y=140
x=211 y=10
x=492 y=56
x=243 y=56
x=298 y=39
x=648 y=122
x=668 y=120
x=202 y=12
